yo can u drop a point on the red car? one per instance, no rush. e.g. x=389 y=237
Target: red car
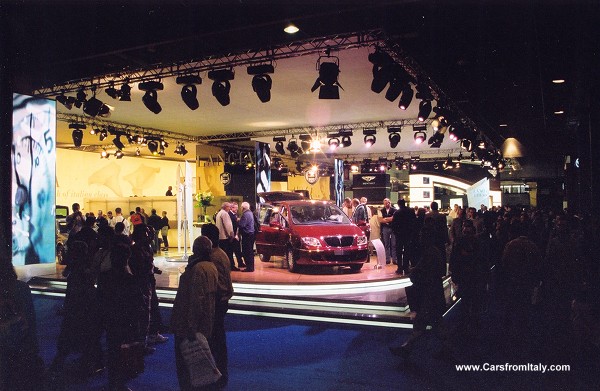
x=311 y=233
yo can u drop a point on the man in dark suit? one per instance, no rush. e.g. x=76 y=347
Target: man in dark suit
x=403 y=224
x=387 y=235
x=437 y=222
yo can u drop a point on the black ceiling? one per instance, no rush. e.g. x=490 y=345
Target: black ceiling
x=496 y=62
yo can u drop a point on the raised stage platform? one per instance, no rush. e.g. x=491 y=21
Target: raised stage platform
x=372 y=297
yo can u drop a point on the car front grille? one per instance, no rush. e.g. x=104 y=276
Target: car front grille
x=339 y=241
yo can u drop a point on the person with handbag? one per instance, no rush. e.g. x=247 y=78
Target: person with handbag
x=194 y=305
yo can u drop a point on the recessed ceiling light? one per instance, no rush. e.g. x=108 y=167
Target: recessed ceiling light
x=291 y=29
x=503 y=125
x=559 y=112
x=558 y=81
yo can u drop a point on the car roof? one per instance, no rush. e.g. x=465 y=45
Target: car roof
x=278 y=196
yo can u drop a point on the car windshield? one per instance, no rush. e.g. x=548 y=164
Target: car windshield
x=318 y=214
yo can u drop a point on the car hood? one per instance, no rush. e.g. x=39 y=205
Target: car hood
x=327 y=230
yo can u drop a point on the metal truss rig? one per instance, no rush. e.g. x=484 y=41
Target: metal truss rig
x=125 y=128
x=313 y=130
x=251 y=57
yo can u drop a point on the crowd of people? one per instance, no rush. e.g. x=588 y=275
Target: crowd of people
x=545 y=266
x=110 y=288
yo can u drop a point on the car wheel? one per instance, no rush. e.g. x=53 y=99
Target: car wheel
x=291 y=259
x=264 y=258
x=356 y=268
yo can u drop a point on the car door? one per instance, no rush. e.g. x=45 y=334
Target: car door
x=266 y=239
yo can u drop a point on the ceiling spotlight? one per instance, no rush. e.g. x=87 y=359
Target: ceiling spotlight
x=103 y=134
x=424 y=110
x=420 y=137
x=180 y=149
x=333 y=143
x=291 y=29
x=466 y=145
x=119 y=154
x=112 y=91
x=153 y=147
x=436 y=140
x=382 y=70
x=448 y=164
x=292 y=145
x=261 y=82
x=394 y=135
x=150 y=98
x=346 y=138
x=420 y=133
x=315 y=146
x=94 y=107
x=406 y=98
x=370 y=137
x=118 y=143
x=104 y=154
x=221 y=85
x=77 y=133
x=327 y=82
x=189 y=90
x=279 y=147
x=81 y=97
x=125 y=92
x=67 y=101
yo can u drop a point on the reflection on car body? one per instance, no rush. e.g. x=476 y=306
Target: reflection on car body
x=310 y=233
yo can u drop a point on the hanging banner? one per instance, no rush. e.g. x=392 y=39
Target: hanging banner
x=479 y=193
x=338 y=166
x=263 y=167
x=33 y=158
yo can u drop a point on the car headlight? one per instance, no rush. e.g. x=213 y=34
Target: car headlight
x=361 y=240
x=310 y=241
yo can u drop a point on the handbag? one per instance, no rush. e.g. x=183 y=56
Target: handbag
x=199 y=360
x=132 y=359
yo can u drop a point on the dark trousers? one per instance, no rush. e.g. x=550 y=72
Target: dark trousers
x=165 y=241
x=403 y=253
x=248 y=250
x=155 y=316
x=155 y=243
x=389 y=243
x=218 y=342
x=144 y=284
x=225 y=245
x=115 y=336
x=237 y=251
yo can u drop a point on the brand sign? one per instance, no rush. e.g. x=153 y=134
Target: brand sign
x=311 y=176
x=225 y=178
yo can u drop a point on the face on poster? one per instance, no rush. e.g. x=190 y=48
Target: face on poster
x=33 y=159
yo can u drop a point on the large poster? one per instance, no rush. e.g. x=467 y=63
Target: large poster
x=338 y=165
x=479 y=193
x=33 y=159
x=263 y=167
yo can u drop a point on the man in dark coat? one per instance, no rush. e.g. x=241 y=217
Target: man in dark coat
x=403 y=224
